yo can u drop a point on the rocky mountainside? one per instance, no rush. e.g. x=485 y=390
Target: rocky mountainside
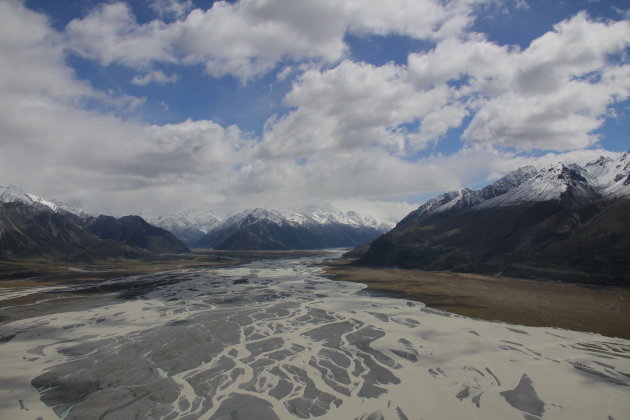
x=563 y=222
x=310 y=228
x=11 y=194
x=32 y=226
x=33 y=231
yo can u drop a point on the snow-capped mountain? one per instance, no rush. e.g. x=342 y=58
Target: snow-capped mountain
x=465 y=198
x=600 y=178
x=12 y=194
x=611 y=175
x=33 y=226
x=192 y=219
x=564 y=222
x=307 y=216
x=189 y=225
x=310 y=227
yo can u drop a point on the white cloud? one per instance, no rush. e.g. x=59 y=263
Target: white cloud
x=554 y=94
x=110 y=34
x=248 y=38
x=353 y=128
x=173 y=9
x=625 y=14
x=522 y=4
x=358 y=105
x=156 y=76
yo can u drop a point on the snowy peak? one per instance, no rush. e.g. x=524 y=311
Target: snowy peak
x=253 y=216
x=307 y=216
x=612 y=175
x=310 y=228
x=11 y=194
x=599 y=167
x=562 y=222
x=191 y=219
x=465 y=197
x=551 y=183
x=508 y=182
x=602 y=177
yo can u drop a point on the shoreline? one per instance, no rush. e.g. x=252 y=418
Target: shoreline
x=599 y=309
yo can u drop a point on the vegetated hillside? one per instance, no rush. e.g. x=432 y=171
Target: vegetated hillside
x=563 y=222
x=29 y=231
x=275 y=230
x=136 y=232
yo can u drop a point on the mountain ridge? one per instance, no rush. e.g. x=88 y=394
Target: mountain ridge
x=31 y=226
x=562 y=222
x=288 y=229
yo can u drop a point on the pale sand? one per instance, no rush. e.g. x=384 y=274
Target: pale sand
x=601 y=309
x=277 y=340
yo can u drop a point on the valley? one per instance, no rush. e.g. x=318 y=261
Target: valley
x=276 y=339
x=454 y=312
x=336 y=210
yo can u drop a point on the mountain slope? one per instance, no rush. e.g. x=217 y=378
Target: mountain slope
x=135 y=231
x=562 y=222
x=31 y=226
x=27 y=231
x=16 y=194
x=273 y=229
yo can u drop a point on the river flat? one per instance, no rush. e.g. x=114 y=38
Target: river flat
x=277 y=339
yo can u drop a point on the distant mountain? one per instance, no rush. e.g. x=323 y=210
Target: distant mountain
x=563 y=222
x=10 y=194
x=188 y=225
x=34 y=226
x=310 y=228
x=136 y=232
x=31 y=230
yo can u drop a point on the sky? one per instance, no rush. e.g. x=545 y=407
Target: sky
x=150 y=107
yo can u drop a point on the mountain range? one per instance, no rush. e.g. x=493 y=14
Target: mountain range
x=309 y=228
x=31 y=226
x=563 y=222
x=189 y=225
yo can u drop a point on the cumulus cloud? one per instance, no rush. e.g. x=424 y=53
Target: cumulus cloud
x=110 y=34
x=358 y=105
x=352 y=130
x=552 y=95
x=248 y=38
x=156 y=76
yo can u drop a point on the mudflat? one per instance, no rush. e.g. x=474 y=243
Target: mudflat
x=600 y=309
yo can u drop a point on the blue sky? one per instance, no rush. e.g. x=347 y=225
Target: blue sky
x=137 y=106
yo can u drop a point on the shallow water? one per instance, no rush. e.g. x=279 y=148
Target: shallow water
x=275 y=339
